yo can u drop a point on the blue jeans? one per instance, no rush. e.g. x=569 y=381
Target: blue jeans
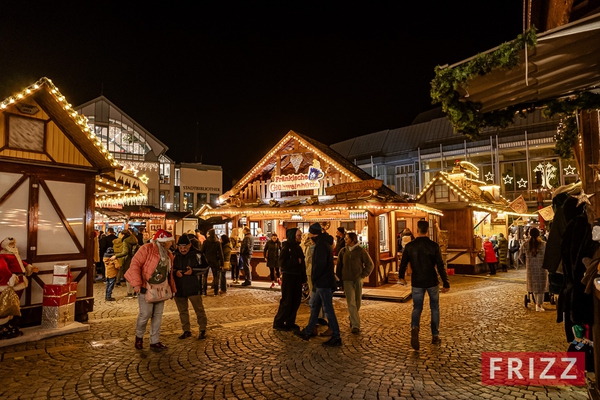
x=418 y=296
x=110 y=284
x=322 y=298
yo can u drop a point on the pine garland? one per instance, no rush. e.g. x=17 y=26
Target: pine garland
x=466 y=116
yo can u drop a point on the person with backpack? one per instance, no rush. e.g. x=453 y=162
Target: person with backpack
x=124 y=247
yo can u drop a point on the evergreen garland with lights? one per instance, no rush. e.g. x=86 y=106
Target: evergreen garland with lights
x=466 y=116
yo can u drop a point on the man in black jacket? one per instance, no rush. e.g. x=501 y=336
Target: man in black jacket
x=187 y=265
x=324 y=283
x=424 y=256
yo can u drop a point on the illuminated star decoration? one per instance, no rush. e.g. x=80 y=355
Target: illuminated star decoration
x=569 y=170
x=522 y=183
x=596 y=169
x=508 y=179
x=583 y=198
x=489 y=176
x=144 y=178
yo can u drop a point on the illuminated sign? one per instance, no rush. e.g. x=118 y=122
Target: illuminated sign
x=292 y=182
x=151 y=215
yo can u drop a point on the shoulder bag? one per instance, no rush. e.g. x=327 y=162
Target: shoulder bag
x=157 y=287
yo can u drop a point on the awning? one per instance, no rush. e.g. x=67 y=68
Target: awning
x=118 y=188
x=566 y=60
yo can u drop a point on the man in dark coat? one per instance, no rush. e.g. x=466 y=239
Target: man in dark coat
x=187 y=265
x=292 y=263
x=340 y=242
x=425 y=257
x=324 y=283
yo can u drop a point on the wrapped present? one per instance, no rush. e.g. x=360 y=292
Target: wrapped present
x=72 y=292
x=62 y=274
x=57 y=317
x=55 y=290
x=56 y=301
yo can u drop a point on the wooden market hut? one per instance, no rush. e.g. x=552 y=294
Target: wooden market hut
x=471 y=208
x=301 y=181
x=53 y=168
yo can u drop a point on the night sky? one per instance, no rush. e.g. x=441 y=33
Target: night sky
x=222 y=82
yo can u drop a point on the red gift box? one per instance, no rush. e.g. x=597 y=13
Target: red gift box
x=55 y=290
x=56 y=301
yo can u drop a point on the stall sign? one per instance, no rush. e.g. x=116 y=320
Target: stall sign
x=150 y=215
x=358 y=215
x=370 y=184
x=291 y=182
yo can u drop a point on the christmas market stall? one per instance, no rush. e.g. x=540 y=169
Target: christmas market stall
x=472 y=209
x=301 y=181
x=54 y=169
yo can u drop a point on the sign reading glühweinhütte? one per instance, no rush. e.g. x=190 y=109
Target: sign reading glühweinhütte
x=303 y=181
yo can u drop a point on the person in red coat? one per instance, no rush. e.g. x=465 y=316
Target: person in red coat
x=490 y=255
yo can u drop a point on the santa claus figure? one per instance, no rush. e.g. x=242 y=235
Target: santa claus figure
x=13 y=273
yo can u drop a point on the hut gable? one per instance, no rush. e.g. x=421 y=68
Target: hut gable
x=39 y=126
x=297 y=166
x=459 y=189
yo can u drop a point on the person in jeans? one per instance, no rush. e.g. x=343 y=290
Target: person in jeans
x=354 y=265
x=324 y=283
x=246 y=255
x=425 y=257
x=153 y=261
x=187 y=266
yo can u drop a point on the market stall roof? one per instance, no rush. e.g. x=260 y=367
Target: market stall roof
x=566 y=60
x=268 y=163
x=344 y=190
x=72 y=124
x=466 y=191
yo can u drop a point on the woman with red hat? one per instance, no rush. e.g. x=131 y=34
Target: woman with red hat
x=153 y=262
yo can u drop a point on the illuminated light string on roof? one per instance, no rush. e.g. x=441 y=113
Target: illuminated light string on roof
x=361 y=208
x=79 y=119
x=284 y=143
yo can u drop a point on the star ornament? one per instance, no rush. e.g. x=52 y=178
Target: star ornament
x=522 y=183
x=583 y=198
x=508 y=179
x=569 y=170
x=489 y=176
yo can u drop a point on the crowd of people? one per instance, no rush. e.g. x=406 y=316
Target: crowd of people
x=161 y=268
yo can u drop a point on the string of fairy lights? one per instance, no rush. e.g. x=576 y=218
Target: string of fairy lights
x=282 y=143
x=107 y=191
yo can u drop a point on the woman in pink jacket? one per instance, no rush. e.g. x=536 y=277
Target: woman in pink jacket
x=151 y=259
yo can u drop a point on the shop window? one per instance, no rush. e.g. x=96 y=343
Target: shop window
x=200 y=199
x=176 y=200
x=177 y=177
x=303 y=226
x=188 y=201
x=383 y=233
x=253 y=228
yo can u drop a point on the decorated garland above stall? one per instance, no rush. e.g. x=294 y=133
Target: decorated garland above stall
x=466 y=116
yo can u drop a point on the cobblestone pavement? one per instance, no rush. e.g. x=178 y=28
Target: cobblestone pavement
x=244 y=358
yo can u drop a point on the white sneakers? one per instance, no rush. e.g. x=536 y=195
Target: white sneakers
x=539 y=308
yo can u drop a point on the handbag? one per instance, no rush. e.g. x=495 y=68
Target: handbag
x=157 y=292
x=481 y=255
x=10 y=304
x=227 y=266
